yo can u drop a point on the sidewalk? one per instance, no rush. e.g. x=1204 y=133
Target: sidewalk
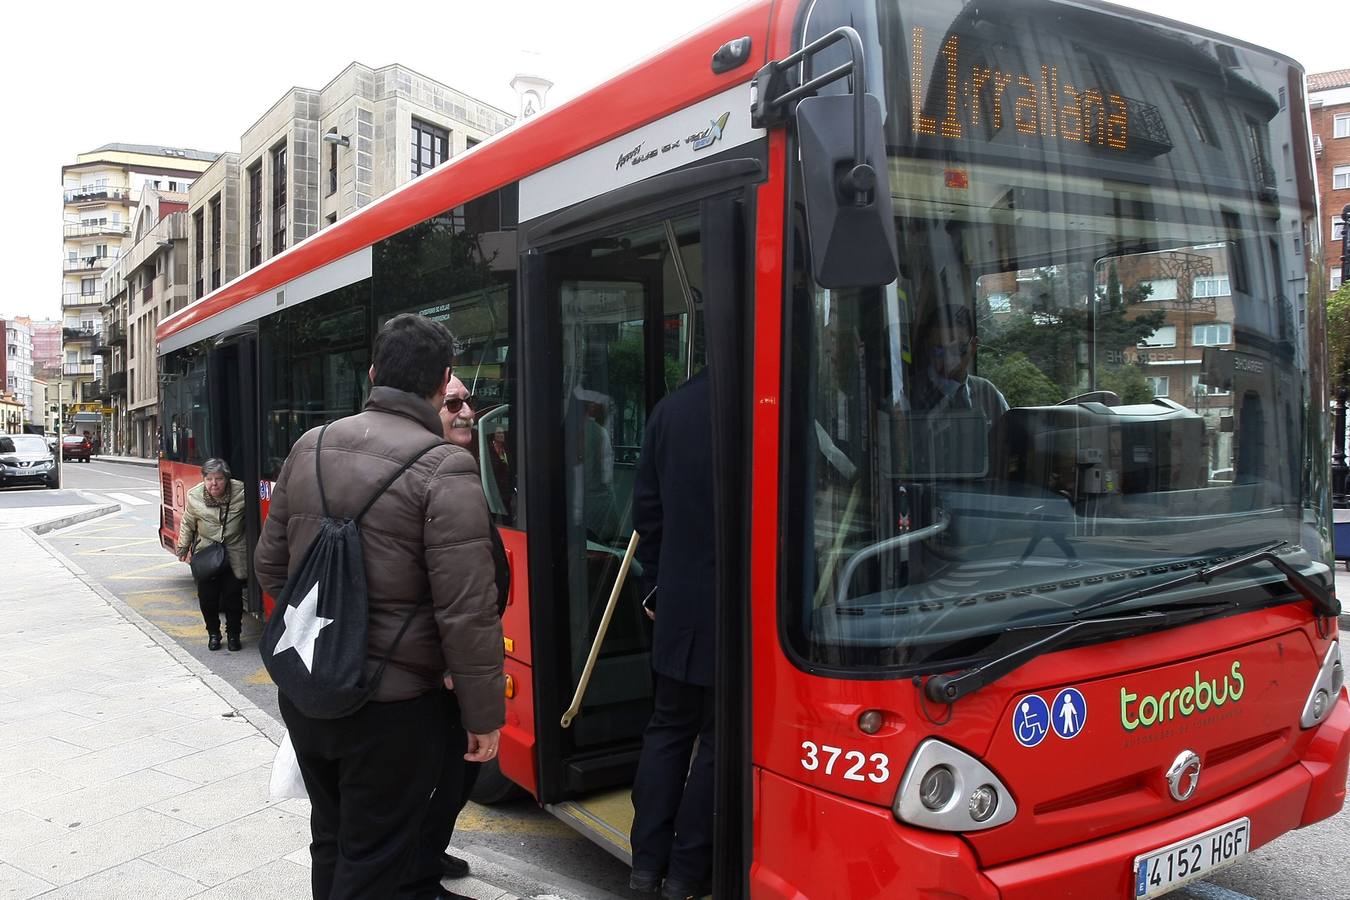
x=127 y=460
x=130 y=770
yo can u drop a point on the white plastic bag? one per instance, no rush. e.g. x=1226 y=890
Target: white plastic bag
x=286 y=780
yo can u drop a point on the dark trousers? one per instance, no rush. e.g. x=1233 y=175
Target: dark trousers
x=224 y=594
x=672 y=800
x=453 y=787
x=369 y=777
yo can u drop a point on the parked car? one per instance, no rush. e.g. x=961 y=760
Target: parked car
x=74 y=446
x=26 y=459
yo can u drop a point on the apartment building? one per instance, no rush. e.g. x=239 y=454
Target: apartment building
x=16 y=364
x=100 y=193
x=148 y=283
x=1329 y=109
x=319 y=155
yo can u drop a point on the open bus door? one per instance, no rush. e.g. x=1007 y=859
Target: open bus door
x=621 y=312
x=233 y=415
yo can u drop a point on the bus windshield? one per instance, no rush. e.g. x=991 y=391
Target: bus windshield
x=1093 y=372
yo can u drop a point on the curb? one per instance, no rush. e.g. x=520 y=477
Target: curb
x=126 y=461
x=74 y=519
x=258 y=718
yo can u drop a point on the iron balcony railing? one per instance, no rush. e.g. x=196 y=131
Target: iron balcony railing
x=89 y=263
x=95 y=229
x=81 y=368
x=116 y=333
x=117 y=382
x=70 y=335
x=97 y=193
x=76 y=298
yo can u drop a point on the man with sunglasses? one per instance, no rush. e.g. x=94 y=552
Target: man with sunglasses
x=946 y=343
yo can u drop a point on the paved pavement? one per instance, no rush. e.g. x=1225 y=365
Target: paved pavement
x=129 y=769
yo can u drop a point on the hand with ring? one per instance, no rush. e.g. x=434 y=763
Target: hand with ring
x=483 y=747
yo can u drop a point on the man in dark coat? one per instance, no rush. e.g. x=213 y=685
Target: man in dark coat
x=673 y=516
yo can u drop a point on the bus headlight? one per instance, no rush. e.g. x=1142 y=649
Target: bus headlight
x=949 y=790
x=1325 y=689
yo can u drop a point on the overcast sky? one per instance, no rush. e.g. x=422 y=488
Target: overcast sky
x=198 y=74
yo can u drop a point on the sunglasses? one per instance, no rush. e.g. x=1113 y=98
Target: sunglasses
x=455 y=404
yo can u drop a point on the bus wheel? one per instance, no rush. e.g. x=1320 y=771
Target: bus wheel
x=492 y=787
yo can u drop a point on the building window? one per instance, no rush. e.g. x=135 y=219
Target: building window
x=332 y=166
x=1337 y=228
x=1211 y=286
x=429 y=146
x=1159 y=384
x=1200 y=389
x=1160 y=288
x=215 y=241
x=1342 y=125
x=1213 y=334
x=255 y=214
x=278 y=199
x=88 y=287
x=1199 y=119
x=1336 y=278
x=1166 y=336
x=1340 y=178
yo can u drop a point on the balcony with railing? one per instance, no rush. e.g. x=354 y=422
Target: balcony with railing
x=97 y=229
x=95 y=391
x=117 y=383
x=101 y=346
x=98 y=193
x=78 y=335
x=88 y=265
x=115 y=333
x=78 y=369
x=78 y=298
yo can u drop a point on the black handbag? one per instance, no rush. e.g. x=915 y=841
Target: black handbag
x=210 y=562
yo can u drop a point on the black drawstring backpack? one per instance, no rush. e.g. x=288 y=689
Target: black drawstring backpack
x=314 y=645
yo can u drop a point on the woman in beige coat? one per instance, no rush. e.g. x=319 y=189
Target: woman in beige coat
x=214 y=511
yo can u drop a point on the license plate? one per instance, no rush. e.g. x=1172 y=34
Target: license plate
x=1168 y=868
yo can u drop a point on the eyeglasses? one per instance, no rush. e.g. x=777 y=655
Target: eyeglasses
x=952 y=348
x=455 y=404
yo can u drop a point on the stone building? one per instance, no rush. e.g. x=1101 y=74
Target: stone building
x=319 y=155
x=16 y=363
x=148 y=283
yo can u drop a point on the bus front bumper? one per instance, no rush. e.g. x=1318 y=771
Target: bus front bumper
x=811 y=844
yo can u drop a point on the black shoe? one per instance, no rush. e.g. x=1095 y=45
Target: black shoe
x=673 y=889
x=454 y=867
x=213 y=642
x=645 y=882
x=232 y=641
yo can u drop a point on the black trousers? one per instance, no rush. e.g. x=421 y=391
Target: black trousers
x=453 y=787
x=673 y=800
x=224 y=594
x=369 y=776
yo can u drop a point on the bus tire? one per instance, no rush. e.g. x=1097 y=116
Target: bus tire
x=492 y=787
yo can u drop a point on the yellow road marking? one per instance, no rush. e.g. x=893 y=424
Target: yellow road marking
x=482 y=820
x=258 y=677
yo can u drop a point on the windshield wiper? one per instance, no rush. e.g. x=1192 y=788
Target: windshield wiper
x=950 y=688
x=1323 y=602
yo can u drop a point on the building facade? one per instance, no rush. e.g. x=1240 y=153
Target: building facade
x=1329 y=109
x=16 y=364
x=148 y=283
x=100 y=193
x=319 y=155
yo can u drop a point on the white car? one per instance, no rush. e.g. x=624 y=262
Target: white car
x=26 y=459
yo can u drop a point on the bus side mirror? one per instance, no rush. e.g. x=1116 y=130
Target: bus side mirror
x=848 y=207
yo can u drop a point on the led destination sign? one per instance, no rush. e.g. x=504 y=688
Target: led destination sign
x=1038 y=103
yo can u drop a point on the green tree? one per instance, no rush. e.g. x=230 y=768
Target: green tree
x=1021 y=382
x=1338 y=330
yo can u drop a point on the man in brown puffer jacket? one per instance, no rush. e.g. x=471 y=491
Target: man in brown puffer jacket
x=369 y=775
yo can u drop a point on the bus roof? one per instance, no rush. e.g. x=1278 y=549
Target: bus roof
x=669 y=80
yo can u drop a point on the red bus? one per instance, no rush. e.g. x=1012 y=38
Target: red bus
x=1016 y=338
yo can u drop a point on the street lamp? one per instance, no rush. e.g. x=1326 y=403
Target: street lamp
x=1339 y=469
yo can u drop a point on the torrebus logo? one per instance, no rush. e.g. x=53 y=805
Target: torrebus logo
x=1196 y=696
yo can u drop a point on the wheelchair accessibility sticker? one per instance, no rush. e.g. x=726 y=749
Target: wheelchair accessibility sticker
x=1031 y=721
x=1068 y=714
